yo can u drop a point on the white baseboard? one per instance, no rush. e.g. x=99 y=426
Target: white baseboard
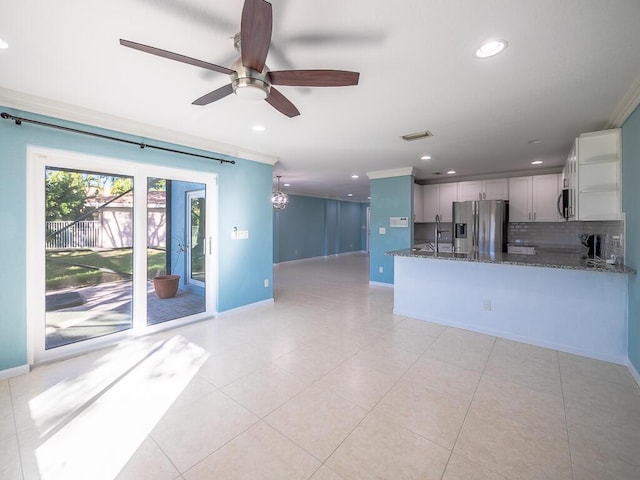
x=14 y=372
x=380 y=284
x=244 y=307
x=516 y=338
x=297 y=260
x=634 y=372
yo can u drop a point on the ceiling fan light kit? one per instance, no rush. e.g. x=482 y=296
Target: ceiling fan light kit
x=250 y=77
x=249 y=84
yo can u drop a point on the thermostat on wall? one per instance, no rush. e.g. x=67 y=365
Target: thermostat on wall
x=398 y=221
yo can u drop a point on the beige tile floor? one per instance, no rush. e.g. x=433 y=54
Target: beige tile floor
x=324 y=384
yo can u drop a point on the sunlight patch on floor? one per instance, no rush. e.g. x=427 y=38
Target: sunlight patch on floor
x=116 y=397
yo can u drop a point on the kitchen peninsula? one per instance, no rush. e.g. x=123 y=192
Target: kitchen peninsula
x=552 y=300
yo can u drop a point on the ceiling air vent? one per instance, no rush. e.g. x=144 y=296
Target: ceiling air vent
x=410 y=137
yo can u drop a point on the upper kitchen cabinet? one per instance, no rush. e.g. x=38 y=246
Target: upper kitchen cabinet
x=418 y=203
x=438 y=200
x=533 y=199
x=599 y=191
x=496 y=189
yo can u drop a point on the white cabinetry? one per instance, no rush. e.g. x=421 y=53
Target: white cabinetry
x=430 y=206
x=496 y=189
x=533 y=199
x=437 y=200
x=599 y=189
x=418 y=203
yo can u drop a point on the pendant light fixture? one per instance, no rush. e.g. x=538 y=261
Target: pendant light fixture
x=279 y=200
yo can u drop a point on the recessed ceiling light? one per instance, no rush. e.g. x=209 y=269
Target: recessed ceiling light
x=425 y=157
x=491 y=48
x=258 y=128
x=451 y=172
x=355 y=176
x=3 y=44
x=535 y=141
x=287 y=185
x=537 y=162
x=349 y=194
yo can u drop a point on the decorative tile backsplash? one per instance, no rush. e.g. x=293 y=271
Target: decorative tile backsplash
x=552 y=234
x=561 y=233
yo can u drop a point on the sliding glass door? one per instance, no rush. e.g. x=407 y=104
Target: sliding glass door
x=88 y=255
x=120 y=249
x=179 y=254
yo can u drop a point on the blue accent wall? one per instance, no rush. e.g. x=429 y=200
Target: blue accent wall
x=390 y=197
x=244 y=194
x=630 y=202
x=317 y=227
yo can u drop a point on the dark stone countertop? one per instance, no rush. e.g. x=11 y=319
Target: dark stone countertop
x=542 y=259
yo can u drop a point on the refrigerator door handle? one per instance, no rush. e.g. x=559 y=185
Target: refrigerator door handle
x=476 y=230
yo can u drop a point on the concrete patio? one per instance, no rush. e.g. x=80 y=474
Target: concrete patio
x=107 y=308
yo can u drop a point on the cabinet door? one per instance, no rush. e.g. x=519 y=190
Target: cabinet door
x=520 y=199
x=418 y=207
x=545 y=198
x=447 y=194
x=497 y=189
x=429 y=202
x=469 y=191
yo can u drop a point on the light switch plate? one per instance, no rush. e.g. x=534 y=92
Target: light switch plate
x=382 y=230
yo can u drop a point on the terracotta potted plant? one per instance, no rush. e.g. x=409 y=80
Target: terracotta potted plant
x=166 y=286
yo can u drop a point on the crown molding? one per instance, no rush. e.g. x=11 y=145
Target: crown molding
x=626 y=107
x=393 y=172
x=73 y=113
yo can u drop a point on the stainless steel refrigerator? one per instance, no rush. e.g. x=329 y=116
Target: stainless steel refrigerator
x=480 y=226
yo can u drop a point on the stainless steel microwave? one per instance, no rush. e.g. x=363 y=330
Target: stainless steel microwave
x=565 y=204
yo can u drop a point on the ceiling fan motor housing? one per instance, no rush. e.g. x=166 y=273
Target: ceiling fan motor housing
x=248 y=83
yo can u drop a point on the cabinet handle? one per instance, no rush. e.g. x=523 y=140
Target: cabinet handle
x=529 y=215
x=534 y=215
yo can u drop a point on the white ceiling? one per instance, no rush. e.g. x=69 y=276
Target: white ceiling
x=566 y=71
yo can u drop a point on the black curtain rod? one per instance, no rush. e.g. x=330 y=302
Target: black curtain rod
x=19 y=121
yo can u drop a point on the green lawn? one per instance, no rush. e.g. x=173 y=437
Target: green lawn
x=88 y=267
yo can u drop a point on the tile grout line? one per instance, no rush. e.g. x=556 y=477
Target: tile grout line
x=566 y=421
x=378 y=402
x=466 y=415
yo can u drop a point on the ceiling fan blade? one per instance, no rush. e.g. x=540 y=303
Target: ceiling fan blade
x=314 y=78
x=213 y=96
x=255 y=33
x=175 y=56
x=282 y=104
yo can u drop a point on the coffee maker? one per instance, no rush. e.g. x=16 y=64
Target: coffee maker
x=593 y=242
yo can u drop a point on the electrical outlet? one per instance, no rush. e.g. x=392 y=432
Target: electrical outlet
x=266 y=283
x=486 y=305
x=380 y=269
